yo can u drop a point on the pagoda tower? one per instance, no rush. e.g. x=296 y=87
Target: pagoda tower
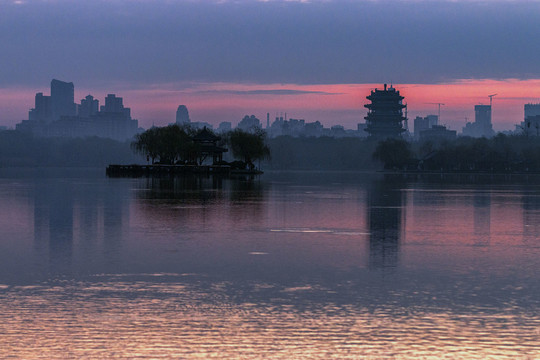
x=385 y=117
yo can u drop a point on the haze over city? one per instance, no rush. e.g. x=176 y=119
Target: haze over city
x=314 y=60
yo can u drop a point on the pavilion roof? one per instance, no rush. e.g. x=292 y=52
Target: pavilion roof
x=205 y=136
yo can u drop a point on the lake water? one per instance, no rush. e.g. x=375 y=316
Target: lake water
x=285 y=266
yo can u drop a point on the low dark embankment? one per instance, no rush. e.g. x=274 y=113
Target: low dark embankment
x=324 y=153
x=19 y=149
x=501 y=154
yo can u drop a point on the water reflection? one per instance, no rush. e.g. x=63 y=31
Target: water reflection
x=201 y=202
x=531 y=216
x=53 y=223
x=73 y=220
x=386 y=206
x=303 y=266
x=482 y=217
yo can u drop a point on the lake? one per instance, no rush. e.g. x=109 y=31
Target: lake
x=284 y=266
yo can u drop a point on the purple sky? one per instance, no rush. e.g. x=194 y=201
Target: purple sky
x=136 y=46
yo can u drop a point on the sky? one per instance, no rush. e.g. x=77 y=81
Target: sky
x=315 y=60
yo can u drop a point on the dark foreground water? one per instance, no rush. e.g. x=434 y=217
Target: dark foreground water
x=287 y=266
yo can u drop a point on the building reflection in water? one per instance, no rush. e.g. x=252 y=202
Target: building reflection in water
x=531 y=216
x=53 y=223
x=482 y=217
x=386 y=204
x=75 y=216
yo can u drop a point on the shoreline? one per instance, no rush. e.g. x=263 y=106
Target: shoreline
x=135 y=170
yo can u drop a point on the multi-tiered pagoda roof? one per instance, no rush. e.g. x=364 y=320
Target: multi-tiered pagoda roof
x=385 y=117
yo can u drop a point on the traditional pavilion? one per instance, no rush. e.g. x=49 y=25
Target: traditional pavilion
x=385 y=117
x=206 y=143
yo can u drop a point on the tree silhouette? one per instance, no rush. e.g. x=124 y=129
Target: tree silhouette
x=169 y=144
x=248 y=146
x=394 y=153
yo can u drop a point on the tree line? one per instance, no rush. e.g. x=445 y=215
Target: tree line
x=173 y=144
x=502 y=153
x=20 y=149
x=176 y=144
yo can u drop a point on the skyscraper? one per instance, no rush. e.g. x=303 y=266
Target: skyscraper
x=182 y=115
x=42 y=111
x=482 y=126
x=62 y=99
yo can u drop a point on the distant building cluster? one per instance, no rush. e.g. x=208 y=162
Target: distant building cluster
x=428 y=128
x=58 y=115
x=281 y=126
x=481 y=127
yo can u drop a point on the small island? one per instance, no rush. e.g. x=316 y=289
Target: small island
x=182 y=150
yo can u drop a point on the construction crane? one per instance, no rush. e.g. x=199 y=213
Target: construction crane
x=490 y=107
x=491 y=99
x=439 y=119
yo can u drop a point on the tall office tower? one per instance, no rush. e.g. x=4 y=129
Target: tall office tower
x=385 y=117
x=482 y=117
x=182 y=115
x=62 y=99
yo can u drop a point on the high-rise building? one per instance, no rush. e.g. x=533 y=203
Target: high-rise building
x=55 y=115
x=385 y=116
x=482 y=115
x=531 y=124
x=42 y=111
x=62 y=99
x=420 y=124
x=482 y=126
x=531 y=110
x=249 y=123
x=88 y=107
x=51 y=108
x=182 y=115
x=114 y=104
x=432 y=120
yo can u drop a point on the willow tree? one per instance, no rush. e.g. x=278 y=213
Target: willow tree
x=248 y=146
x=169 y=144
x=393 y=153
